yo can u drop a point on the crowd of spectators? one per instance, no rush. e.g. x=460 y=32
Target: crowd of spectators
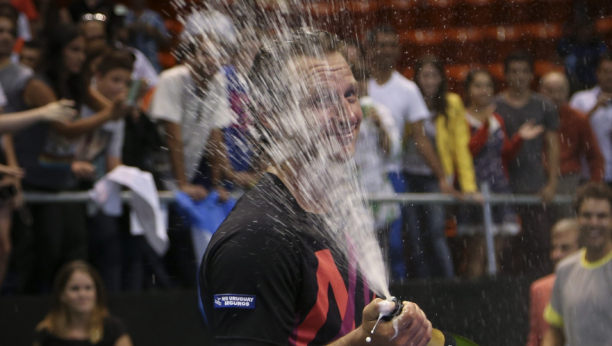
x=89 y=94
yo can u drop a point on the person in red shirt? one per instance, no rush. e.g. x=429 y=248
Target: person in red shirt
x=577 y=141
x=564 y=243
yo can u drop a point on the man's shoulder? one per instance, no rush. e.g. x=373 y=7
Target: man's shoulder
x=543 y=284
x=175 y=73
x=399 y=81
x=543 y=102
x=567 y=264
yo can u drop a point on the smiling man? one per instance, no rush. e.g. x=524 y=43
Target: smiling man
x=273 y=273
x=579 y=310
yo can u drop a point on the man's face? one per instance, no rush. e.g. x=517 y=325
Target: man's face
x=556 y=88
x=564 y=244
x=94 y=30
x=210 y=55
x=595 y=219
x=7 y=38
x=330 y=104
x=385 y=50
x=519 y=75
x=604 y=76
x=30 y=57
x=114 y=82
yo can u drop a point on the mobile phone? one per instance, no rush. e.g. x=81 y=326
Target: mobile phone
x=133 y=92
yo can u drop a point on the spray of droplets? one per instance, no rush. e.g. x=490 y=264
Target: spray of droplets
x=289 y=119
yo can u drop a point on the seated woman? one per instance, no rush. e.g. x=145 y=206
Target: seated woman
x=78 y=313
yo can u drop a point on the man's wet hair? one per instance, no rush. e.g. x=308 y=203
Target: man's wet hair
x=266 y=73
x=592 y=190
x=521 y=56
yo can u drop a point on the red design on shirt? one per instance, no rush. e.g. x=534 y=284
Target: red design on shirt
x=327 y=275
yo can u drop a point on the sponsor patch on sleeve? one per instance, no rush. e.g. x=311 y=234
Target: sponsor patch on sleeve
x=239 y=301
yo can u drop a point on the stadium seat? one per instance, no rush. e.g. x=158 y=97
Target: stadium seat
x=363 y=16
x=174 y=26
x=464 y=45
x=543 y=67
x=503 y=40
x=408 y=72
x=517 y=12
x=559 y=11
x=544 y=40
x=401 y=14
x=324 y=15
x=497 y=70
x=476 y=13
x=418 y=43
x=437 y=14
x=603 y=27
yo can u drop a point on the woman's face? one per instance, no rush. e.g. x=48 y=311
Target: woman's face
x=481 y=90
x=430 y=80
x=74 y=55
x=80 y=293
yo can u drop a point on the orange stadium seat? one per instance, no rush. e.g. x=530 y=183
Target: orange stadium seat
x=477 y=13
x=503 y=40
x=408 y=72
x=437 y=14
x=497 y=70
x=545 y=38
x=517 y=12
x=418 y=43
x=401 y=14
x=543 y=67
x=464 y=45
x=603 y=27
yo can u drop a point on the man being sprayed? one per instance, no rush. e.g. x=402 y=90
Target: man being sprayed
x=283 y=267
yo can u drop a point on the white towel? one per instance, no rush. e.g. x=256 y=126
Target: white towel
x=148 y=218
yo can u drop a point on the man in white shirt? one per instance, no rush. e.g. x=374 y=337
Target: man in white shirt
x=405 y=101
x=597 y=103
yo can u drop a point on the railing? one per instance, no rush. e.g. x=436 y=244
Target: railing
x=488 y=200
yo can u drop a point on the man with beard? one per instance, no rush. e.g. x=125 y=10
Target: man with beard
x=579 y=310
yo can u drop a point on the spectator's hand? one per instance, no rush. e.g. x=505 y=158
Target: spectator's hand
x=475 y=196
x=603 y=99
x=529 y=131
x=60 y=111
x=16 y=201
x=83 y=170
x=15 y=172
x=548 y=192
x=413 y=328
x=224 y=194
x=120 y=108
x=196 y=192
x=448 y=189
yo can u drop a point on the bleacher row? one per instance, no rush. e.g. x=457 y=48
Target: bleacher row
x=464 y=33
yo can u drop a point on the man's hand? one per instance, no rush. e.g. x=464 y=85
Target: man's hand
x=196 y=192
x=61 y=111
x=413 y=328
x=83 y=170
x=15 y=172
x=548 y=192
x=120 y=108
x=529 y=130
x=448 y=189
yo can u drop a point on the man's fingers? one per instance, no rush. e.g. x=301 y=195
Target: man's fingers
x=426 y=337
x=417 y=323
x=371 y=311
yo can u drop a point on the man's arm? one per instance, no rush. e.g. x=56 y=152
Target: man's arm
x=552 y=148
x=590 y=148
x=553 y=337
x=174 y=139
x=426 y=150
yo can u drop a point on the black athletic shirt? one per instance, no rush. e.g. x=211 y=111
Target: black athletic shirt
x=266 y=280
x=113 y=330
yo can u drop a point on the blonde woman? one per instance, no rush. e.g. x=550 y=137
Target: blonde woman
x=78 y=313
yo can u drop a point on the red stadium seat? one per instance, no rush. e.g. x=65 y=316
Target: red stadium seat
x=437 y=14
x=545 y=38
x=517 y=12
x=503 y=40
x=543 y=67
x=464 y=45
x=324 y=15
x=418 y=43
x=559 y=11
x=497 y=70
x=408 y=72
x=476 y=13
x=363 y=16
x=603 y=27
x=401 y=14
